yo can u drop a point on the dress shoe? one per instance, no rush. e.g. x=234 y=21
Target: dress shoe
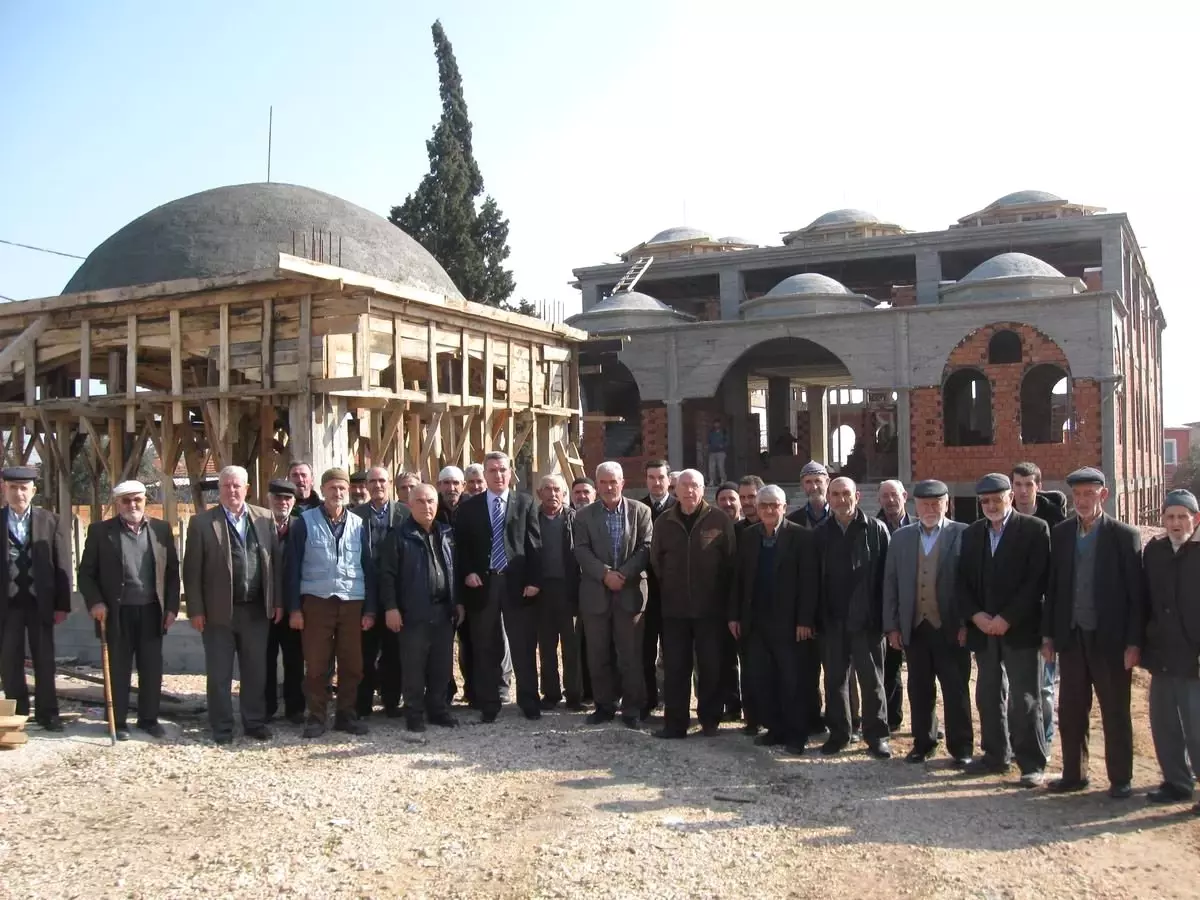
x=223 y=740
x=770 y=739
x=601 y=717
x=711 y=729
x=1122 y=791
x=415 y=723
x=547 y=704
x=154 y=729
x=855 y=736
x=259 y=733
x=795 y=748
x=880 y=749
x=1033 y=779
x=123 y=734
x=532 y=713
x=1067 y=785
x=349 y=723
x=670 y=734
x=51 y=723
x=395 y=712
x=985 y=766
x=632 y=720
x=1168 y=793
x=960 y=762
x=750 y=729
x=834 y=746
x=488 y=717
x=313 y=727
x=919 y=755
x=574 y=704
x=296 y=718
x=444 y=721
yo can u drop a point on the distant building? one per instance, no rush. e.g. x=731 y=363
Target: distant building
x=1177 y=447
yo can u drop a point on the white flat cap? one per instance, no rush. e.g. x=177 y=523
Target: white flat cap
x=129 y=487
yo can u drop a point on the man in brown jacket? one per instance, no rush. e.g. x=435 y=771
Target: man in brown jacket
x=232 y=599
x=693 y=552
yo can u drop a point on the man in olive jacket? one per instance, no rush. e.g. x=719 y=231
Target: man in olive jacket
x=693 y=554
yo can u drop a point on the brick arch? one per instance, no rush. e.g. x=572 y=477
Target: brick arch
x=1036 y=347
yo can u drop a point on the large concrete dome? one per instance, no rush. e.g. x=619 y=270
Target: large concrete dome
x=808 y=283
x=1011 y=265
x=1025 y=198
x=241 y=227
x=680 y=233
x=844 y=217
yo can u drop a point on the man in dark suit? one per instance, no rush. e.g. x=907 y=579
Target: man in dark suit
x=284 y=640
x=35 y=595
x=773 y=562
x=920 y=615
x=612 y=547
x=498 y=542
x=381 y=646
x=1093 y=619
x=659 y=498
x=893 y=512
x=129 y=579
x=1002 y=570
x=558 y=600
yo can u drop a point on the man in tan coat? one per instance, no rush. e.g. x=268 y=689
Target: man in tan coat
x=232 y=599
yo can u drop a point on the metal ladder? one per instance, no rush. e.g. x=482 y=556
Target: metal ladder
x=630 y=278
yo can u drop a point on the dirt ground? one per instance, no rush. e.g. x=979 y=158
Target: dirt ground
x=556 y=808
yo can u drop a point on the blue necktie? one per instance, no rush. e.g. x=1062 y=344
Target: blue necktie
x=499 y=559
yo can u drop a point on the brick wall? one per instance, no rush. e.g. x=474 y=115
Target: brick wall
x=904 y=295
x=654 y=443
x=1081 y=446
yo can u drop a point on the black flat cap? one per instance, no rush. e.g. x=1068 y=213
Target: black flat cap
x=282 y=487
x=930 y=489
x=359 y=477
x=994 y=483
x=19 y=473
x=728 y=486
x=1183 y=498
x=1086 y=475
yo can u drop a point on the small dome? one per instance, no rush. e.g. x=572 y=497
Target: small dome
x=1011 y=265
x=734 y=239
x=680 y=233
x=1026 y=198
x=627 y=301
x=844 y=217
x=807 y=283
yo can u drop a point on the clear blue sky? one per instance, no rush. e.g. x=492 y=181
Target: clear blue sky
x=598 y=124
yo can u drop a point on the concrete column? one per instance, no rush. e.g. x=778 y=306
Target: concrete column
x=591 y=294
x=675 y=433
x=903 y=437
x=779 y=407
x=733 y=292
x=818 y=422
x=1112 y=262
x=735 y=403
x=929 y=276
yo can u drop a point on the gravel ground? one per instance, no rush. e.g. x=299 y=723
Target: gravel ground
x=556 y=809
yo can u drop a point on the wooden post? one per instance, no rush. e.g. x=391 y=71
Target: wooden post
x=131 y=354
x=432 y=361
x=176 y=367
x=489 y=393
x=266 y=447
x=267 y=343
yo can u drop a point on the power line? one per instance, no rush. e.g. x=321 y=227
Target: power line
x=42 y=249
x=11 y=299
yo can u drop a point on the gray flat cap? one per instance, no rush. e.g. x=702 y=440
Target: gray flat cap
x=812 y=467
x=993 y=484
x=19 y=473
x=1086 y=475
x=282 y=487
x=1183 y=498
x=930 y=489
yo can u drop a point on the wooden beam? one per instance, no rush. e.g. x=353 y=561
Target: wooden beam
x=362 y=350
x=267 y=342
x=131 y=363
x=466 y=365
x=85 y=360
x=304 y=345
x=14 y=348
x=96 y=448
x=224 y=425
x=266 y=449
x=460 y=450
x=176 y=366
x=431 y=357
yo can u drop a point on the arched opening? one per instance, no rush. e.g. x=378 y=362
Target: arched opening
x=1045 y=402
x=842 y=442
x=967 y=409
x=1004 y=348
x=613 y=398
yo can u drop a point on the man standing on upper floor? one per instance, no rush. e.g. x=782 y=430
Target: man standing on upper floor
x=851 y=550
x=583 y=492
x=380 y=646
x=1002 y=570
x=499 y=543
x=612 y=547
x=748 y=487
x=1051 y=507
x=693 y=553
x=35 y=595
x=718 y=446
x=774 y=557
x=920 y=615
x=1171 y=564
x=660 y=498
x=893 y=512
x=1092 y=618
x=301 y=475
x=475 y=483
x=558 y=600
x=232 y=598
x=283 y=639
x=330 y=602
x=358 y=490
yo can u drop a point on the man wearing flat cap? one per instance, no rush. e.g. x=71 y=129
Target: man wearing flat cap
x=358 y=490
x=35 y=595
x=283 y=639
x=1002 y=569
x=920 y=615
x=1092 y=619
x=1171 y=654
x=129 y=579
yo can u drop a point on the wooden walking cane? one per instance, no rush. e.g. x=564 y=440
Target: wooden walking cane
x=108 y=708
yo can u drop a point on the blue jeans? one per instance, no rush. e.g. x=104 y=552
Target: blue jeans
x=1051 y=669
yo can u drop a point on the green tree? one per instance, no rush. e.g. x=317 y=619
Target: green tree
x=470 y=241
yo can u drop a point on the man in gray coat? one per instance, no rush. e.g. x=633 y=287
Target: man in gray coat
x=612 y=547
x=920 y=616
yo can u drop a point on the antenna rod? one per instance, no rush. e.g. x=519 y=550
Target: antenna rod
x=270 y=128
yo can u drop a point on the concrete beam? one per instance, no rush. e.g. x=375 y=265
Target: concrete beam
x=929 y=275
x=733 y=292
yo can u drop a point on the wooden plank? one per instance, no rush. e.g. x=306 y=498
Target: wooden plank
x=304 y=345
x=267 y=339
x=116 y=451
x=176 y=367
x=362 y=351
x=8 y=707
x=464 y=343
x=216 y=439
x=14 y=348
x=131 y=364
x=397 y=354
x=95 y=448
x=11 y=740
x=224 y=425
x=555 y=354
x=13 y=721
x=489 y=390
x=266 y=449
x=429 y=440
x=330 y=385
x=460 y=450
x=168 y=457
x=431 y=359
x=85 y=360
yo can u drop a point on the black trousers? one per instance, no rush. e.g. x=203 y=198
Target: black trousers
x=861 y=651
x=1008 y=695
x=517 y=617
x=731 y=691
x=466 y=665
x=652 y=634
x=557 y=626
x=617 y=671
x=284 y=639
x=771 y=676
x=1084 y=666
x=427 y=661
x=244 y=638
x=893 y=688
x=381 y=668
x=23 y=620
x=685 y=640
x=751 y=708
x=934 y=658
x=135 y=638
x=809 y=685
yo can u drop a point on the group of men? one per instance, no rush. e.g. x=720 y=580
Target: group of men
x=605 y=589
